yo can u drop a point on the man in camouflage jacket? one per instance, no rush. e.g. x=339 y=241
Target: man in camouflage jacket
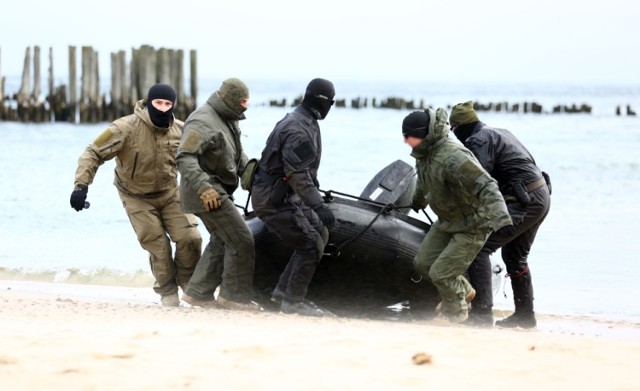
x=466 y=200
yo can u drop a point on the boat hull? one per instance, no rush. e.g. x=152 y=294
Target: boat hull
x=367 y=266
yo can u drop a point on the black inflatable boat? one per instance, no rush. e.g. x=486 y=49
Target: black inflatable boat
x=368 y=263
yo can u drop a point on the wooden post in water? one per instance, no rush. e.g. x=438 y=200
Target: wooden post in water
x=194 y=77
x=184 y=104
x=163 y=66
x=73 y=86
x=95 y=87
x=147 y=70
x=85 y=84
x=22 y=97
x=50 y=99
x=125 y=104
x=38 y=110
x=114 y=108
x=90 y=104
x=57 y=98
x=2 y=109
x=133 y=73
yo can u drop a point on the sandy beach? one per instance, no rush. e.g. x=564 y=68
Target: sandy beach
x=59 y=336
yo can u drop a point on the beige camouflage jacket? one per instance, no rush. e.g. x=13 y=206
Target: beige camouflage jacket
x=145 y=154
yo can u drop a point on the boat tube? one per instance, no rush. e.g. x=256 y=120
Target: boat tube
x=368 y=263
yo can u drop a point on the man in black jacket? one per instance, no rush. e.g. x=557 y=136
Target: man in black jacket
x=285 y=195
x=526 y=191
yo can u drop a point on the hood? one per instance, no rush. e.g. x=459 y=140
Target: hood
x=222 y=109
x=438 y=130
x=438 y=126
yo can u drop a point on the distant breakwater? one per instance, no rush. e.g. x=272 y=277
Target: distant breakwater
x=131 y=80
x=398 y=103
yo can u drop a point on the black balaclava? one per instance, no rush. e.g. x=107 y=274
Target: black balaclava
x=416 y=124
x=463 y=119
x=463 y=132
x=161 y=91
x=319 y=97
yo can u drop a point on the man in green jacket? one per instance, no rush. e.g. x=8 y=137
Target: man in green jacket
x=211 y=160
x=466 y=200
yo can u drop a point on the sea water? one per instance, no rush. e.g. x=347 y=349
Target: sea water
x=584 y=260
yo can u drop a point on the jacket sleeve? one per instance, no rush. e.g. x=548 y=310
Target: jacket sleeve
x=298 y=154
x=191 y=146
x=419 y=197
x=105 y=147
x=486 y=190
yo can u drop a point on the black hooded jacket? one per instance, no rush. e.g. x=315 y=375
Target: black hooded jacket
x=500 y=153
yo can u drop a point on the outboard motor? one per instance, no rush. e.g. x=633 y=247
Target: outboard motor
x=393 y=184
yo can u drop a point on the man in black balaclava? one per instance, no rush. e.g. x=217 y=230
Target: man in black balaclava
x=286 y=197
x=319 y=97
x=144 y=146
x=160 y=102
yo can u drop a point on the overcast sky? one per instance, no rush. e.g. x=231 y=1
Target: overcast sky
x=426 y=40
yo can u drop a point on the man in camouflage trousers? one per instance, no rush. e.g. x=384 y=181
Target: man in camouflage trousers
x=466 y=200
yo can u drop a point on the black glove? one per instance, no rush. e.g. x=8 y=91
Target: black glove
x=78 y=197
x=507 y=231
x=325 y=215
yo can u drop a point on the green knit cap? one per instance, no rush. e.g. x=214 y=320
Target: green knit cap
x=462 y=114
x=232 y=91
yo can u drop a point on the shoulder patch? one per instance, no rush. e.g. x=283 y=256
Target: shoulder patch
x=191 y=142
x=304 y=151
x=103 y=137
x=470 y=170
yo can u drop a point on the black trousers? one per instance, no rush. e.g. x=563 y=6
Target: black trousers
x=301 y=228
x=515 y=250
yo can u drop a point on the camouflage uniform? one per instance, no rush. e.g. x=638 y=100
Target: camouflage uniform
x=469 y=207
x=145 y=176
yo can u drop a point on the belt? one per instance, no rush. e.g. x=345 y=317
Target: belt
x=538 y=183
x=146 y=196
x=535 y=185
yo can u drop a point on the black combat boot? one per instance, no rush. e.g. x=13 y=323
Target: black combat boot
x=479 y=318
x=523 y=316
x=304 y=308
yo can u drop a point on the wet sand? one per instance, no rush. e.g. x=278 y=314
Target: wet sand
x=84 y=337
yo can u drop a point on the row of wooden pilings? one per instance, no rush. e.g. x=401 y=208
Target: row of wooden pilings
x=149 y=66
x=129 y=83
x=505 y=107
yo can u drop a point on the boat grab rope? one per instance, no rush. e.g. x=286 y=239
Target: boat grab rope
x=334 y=251
x=328 y=198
